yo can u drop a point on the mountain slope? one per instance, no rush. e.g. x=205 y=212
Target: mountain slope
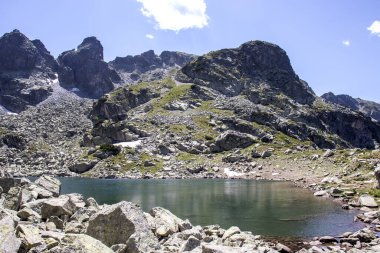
x=148 y=66
x=369 y=108
x=257 y=84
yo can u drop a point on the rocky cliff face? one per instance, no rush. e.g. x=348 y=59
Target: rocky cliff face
x=26 y=71
x=369 y=108
x=254 y=66
x=84 y=69
x=148 y=66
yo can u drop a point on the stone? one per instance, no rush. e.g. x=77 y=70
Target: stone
x=50 y=226
x=229 y=232
x=6 y=183
x=82 y=166
x=327 y=239
x=26 y=212
x=30 y=236
x=41 y=192
x=321 y=194
x=57 y=222
x=80 y=243
x=50 y=184
x=328 y=153
x=176 y=105
x=25 y=197
x=119 y=248
x=233 y=139
x=185 y=225
x=123 y=223
x=195 y=232
x=255 y=154
x=266 y=154
x=165 y=222
x=91 y=202
x=282 y=248
x=210 y=248
x=190 y=244
x=368 y=201
x=11 y=200
x=74 y=227
x=9 y=243
x=377 y=176
x=59 y=207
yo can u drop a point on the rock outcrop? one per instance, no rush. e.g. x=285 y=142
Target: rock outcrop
x=123 y=223
x=27 y=71
x=261 y=86
x=369 y=108
x=148 y=66
x=253 y=66
x=9 y=243
x=84 y=69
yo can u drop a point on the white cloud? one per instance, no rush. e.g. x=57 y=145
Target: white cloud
x=347 y=43
x=176 y=15
x=149 y=36
x=375 y=28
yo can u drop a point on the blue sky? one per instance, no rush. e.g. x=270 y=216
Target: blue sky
x=328 y=42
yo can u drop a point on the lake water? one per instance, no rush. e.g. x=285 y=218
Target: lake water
x=264 y=207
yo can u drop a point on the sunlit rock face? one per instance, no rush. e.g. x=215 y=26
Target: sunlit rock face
x=245 y=69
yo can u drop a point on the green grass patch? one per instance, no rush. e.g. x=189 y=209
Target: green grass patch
x=156 y=85
x=139 y=164
x=208 y=106
x=3 y=131
x=175 y=93
x=204 y=130
x=110 y=148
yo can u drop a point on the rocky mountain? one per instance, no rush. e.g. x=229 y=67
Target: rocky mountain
x=256 y=84
x=26 y=71
x=369 y=108
x=148 y=66
x=84 y=69
x=227 y=106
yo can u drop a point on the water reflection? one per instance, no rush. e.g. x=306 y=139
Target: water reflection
x=263 y=207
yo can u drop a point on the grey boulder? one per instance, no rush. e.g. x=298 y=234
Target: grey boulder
x=123 y=223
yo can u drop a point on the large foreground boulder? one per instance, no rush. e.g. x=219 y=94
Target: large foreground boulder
x=123 y=223
x=80 y=243
x=9 y=243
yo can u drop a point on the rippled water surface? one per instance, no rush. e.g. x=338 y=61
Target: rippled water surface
x=263 y=207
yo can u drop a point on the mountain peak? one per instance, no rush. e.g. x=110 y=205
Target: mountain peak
x=91 y=47
x=252 y=66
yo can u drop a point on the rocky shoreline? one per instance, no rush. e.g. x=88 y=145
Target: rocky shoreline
x=36 y=218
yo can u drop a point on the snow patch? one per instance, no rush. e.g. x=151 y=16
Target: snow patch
x=231 y=174
x=75 y=90
x=129 y=144
x=6 y=111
